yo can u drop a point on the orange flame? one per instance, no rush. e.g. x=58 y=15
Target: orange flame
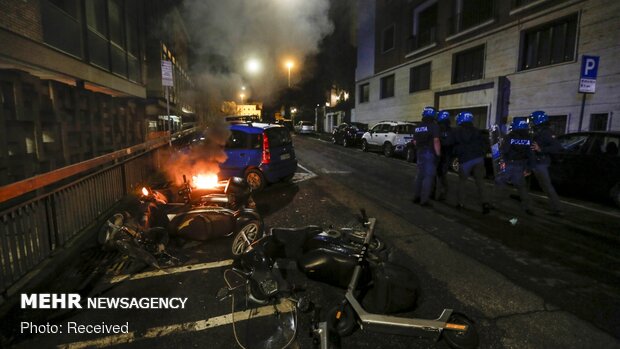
x=205 y=181
x=145 y=191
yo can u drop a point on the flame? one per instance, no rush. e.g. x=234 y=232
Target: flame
x=145 y=191
x=205 y=181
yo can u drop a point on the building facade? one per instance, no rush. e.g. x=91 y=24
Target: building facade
x=78 y=79
x=497 y=59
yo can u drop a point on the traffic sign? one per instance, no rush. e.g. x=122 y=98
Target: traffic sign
x=589 y=70
x=166 y=73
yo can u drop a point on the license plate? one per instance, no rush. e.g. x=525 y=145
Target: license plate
x=285 y=156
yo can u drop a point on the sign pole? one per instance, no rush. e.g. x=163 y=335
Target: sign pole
x=167 y=80
x=583 y=105
x=168 y=113
x=587 y=80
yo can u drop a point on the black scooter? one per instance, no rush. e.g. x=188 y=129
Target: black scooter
x=144 y=228
x=352 y=260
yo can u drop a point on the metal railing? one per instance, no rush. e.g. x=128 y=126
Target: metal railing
x=34 y=230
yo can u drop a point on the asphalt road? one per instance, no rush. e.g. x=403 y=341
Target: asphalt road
x=541 y=283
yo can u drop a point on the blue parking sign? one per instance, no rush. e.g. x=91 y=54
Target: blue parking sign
x=589 y=69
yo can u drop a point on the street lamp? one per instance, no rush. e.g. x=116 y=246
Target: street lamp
x=289 y=65
x=242 y=95
x=253 y=66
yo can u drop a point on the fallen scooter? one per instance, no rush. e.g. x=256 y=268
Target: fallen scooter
x=143 y=230
x=456 y=329
x=360 y=266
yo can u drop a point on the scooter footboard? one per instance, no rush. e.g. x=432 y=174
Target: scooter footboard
x=399 y=325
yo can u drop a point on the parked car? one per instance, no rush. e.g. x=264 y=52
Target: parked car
x=390 y=137
x=260 y=153
x=589 y=165
x=305 y=127
x=286 y=123
x=349 y=134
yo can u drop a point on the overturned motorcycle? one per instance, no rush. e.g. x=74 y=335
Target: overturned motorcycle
x=351 y=259
x=224 y=209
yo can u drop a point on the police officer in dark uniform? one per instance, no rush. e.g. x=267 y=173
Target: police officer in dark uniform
x=428 y=150
x=518 y=158
x=445 y=138
x=469 y=148
x=543 y=144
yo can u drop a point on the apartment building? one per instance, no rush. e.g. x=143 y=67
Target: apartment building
x=497 y=59
x=81 y=78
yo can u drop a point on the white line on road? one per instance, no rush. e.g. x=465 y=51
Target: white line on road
x=170 y=271
x=193 y=326
x=307 y=170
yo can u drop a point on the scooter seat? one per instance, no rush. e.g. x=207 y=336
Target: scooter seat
x=293 y=239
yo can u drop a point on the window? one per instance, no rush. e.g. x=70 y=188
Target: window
x=424 y=25
x=377 y=128
x=557 y=123
x=598 y=122
x=364 y=93
x=573 y=143
x=550 y=43
x=388 y=39
x=117 y=23
x=70 y=7
x=468 y=65
x=420 y=78
x=470 y=13
x=237 y=140
x=95 y=16
x=387 y=86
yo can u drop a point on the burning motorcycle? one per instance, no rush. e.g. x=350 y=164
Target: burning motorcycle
x=208 y=210
x=374 y=286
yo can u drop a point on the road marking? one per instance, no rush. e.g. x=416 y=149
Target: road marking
x=169 y=271
x=326 y=171
x=193 y=326
x=300 y=177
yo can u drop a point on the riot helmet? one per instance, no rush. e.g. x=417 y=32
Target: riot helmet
x=429 y=112
x=539 y=117
x=464 y=117
x=520 y=123
x=443 y=116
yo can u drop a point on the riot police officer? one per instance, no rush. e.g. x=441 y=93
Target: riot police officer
x=518 y=158
x=428 y=149
x=445 y=138
x=469 y=148
x=543 y=144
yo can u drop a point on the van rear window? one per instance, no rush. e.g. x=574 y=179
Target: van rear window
x=278 y=136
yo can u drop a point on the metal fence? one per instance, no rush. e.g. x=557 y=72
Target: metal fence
x=34 y=230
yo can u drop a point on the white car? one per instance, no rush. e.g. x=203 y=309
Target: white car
x=304 y=127
x=390 y=137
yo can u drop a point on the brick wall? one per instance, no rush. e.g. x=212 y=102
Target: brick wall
x=22 y=17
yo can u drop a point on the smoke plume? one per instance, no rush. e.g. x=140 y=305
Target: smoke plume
x=225 y=35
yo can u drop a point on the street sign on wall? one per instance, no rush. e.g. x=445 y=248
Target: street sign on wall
x=166 y=73
x=589 y=70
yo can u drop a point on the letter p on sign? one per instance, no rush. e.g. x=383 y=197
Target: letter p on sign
x=589 y=70
x=589 y=67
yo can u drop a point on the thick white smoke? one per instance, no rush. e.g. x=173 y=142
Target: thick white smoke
x=226 y=34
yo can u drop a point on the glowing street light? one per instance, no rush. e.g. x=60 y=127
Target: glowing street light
x=242 y=96
x=289 y=64
x=253 y=66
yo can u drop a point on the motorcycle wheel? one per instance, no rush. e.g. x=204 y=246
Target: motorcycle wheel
x=461 y=339
x=252 y=231
x=255 y=179
x=108 y=230
x=344 y=324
